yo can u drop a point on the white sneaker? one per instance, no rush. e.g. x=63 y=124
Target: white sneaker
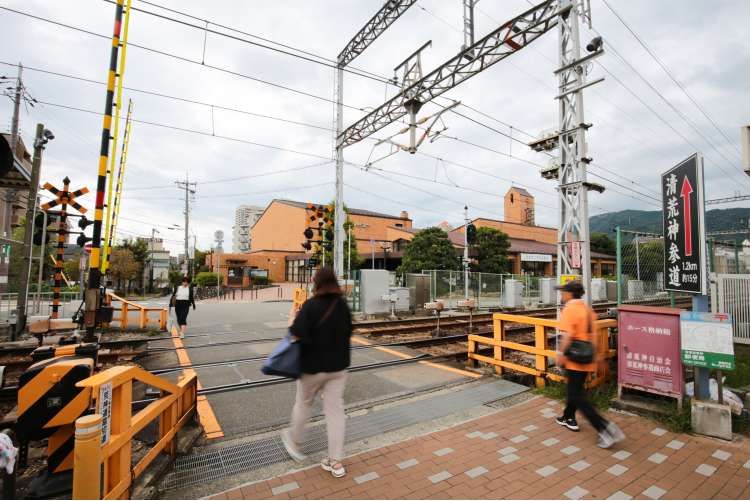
x=327 y=465
x=605 y=440
x=615 y=432
x=291 y=447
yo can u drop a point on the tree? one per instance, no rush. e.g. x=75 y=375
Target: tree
x=175 y=277
x=431 y=249
x=141 y=252
x=72 y=268
x=491 y=251
x=600 y=242
x=123 y=266
x=200 y=261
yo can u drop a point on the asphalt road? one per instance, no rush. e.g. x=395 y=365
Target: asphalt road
x=243 y=412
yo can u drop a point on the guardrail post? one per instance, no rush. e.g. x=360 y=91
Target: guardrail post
x=540 y=341
x=498 y=333
x=118 y=464
x=87 y=458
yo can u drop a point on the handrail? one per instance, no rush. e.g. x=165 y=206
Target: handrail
x=175 y=406
x=539 y=349
x=126 y=306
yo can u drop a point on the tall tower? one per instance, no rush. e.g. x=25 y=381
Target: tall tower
x=519 y=207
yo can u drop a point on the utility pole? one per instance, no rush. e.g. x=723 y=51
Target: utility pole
x=154 y=231
x=40 y=140
x=16 y=109
x=466 y=252
x=189 y=190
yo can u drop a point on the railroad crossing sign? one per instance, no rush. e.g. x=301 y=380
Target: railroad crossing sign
x=683 y=209
x=63 y=198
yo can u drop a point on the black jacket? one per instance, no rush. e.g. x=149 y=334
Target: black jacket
x=325 y=342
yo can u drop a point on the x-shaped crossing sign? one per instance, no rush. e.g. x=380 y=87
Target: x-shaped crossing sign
x=64 y=196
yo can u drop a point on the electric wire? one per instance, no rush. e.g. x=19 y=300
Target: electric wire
x=670 y=74
x=181 y=58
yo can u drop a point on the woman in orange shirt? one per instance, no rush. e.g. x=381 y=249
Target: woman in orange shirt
x=577 y=321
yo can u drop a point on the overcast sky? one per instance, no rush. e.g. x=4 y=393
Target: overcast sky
x=703 y=43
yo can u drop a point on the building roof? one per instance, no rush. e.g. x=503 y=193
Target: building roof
x=522 y=191
x=356 y=212
x=503 y=222
x=519 y=245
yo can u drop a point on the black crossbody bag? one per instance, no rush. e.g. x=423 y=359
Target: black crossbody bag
x=579 y=351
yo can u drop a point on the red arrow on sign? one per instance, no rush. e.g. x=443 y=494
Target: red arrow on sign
x=687 y=189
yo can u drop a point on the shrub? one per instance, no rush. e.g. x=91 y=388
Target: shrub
x=206 y=278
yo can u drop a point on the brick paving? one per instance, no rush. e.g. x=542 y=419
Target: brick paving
x=551 y=462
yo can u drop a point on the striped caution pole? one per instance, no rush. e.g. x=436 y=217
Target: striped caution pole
x=110 y=173
x=95 y=277
x=61 y=233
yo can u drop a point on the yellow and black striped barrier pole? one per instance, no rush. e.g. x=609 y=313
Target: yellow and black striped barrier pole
x=110 y=173
x=95 y=276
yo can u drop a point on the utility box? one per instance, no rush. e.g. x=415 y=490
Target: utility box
x=598 y=289
x=373 y=286
x=402 y=297
x=611 y=290
x=636 y=289
x=547 y=293
x=513 y=294
x=419 y=287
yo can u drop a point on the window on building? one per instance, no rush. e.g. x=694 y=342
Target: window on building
x=399 y=225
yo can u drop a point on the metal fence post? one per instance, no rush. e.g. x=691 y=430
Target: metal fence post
x=736 y=258
x=619 y=265
x=87 y=458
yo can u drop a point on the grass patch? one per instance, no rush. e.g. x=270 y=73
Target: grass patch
x=740 y=376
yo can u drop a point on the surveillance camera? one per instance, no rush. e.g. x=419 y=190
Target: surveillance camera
x=48 y=135
x=595 y=44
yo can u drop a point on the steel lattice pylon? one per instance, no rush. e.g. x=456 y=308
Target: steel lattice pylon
x=573 y=230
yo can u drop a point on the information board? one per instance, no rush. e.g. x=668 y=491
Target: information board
x=648 y=350
x=707 y=340
x=683 y=227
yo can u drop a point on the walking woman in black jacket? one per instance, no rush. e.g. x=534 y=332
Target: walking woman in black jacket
x=182 y=298
x=323 y=326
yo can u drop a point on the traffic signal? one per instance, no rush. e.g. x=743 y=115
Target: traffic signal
x=471 y=234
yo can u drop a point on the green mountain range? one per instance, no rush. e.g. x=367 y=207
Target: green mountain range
x=651 y=221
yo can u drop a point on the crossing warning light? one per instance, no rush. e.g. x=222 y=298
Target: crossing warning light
x=83 y=222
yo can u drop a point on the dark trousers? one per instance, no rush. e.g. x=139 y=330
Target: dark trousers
x=577 y=400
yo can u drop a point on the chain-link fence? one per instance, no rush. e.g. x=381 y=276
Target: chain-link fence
x=640 y=268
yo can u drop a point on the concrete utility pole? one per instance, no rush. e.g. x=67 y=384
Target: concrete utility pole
x=189 y=190
x=154 y=231
x=466 y=252
x=42 y=137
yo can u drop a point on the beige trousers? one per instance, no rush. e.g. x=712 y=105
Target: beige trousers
x=330 y=386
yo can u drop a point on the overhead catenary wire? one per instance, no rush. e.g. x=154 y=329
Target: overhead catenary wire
x=182 y=58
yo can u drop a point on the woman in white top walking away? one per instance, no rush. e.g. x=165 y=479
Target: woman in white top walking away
x=182 y=298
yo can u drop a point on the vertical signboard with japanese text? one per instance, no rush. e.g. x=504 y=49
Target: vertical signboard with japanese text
x=684 y=229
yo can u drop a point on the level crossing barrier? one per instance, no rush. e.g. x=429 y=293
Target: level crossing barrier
x=112 y=392
x=143 y=311
x=539 y=349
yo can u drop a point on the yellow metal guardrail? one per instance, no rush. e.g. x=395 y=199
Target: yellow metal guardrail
x=539 y=349
x=127 y=306
x=112 y=392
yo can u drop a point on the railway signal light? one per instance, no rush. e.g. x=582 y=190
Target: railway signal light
x=82 y=240
x=39 y=229
x=83 y=222
x=471 y=234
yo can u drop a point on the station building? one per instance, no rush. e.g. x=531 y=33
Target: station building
x=277 y=236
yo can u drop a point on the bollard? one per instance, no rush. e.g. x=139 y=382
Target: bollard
x=87 y=458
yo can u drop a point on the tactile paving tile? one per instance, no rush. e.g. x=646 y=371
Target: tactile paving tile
x=222 y=462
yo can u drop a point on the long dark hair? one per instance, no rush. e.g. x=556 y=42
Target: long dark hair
x=325 y=282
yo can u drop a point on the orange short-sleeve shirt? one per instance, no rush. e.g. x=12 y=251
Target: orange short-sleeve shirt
x=577 y=321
